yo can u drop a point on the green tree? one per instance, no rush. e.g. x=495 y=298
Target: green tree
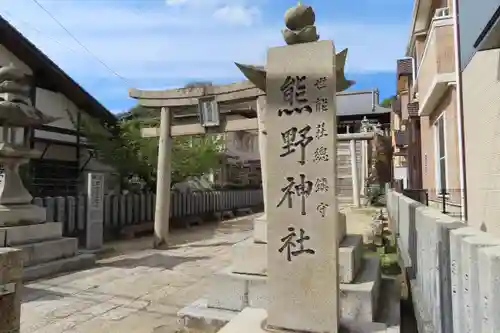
x=387 y=102
x=121 y=146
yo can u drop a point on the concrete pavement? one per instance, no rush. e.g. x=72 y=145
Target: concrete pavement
x=138 y=290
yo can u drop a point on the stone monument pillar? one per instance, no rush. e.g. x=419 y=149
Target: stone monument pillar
x=301 y=154
x=291 y=284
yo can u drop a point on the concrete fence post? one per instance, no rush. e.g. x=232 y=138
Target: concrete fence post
x=71 y=214
x=60 y=211
x=49 y=204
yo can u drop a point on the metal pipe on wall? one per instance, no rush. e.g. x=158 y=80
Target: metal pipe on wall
x=460 y=111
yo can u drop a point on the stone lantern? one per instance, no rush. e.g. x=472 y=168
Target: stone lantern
x=17 y=113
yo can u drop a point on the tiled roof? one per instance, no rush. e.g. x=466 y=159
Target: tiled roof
x=404 y=67
x=413 y=109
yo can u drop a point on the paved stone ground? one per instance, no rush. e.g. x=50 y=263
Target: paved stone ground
x=137 y=290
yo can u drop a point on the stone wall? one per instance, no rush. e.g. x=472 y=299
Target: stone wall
x=453 y=269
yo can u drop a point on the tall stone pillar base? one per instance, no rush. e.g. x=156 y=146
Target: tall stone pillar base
x=11 y=271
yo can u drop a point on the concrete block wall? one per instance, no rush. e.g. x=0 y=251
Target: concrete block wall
x=454 y=269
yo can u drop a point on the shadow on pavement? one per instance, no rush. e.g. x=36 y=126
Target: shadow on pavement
x=161 y=260
x=30 y=294
x=181 y=237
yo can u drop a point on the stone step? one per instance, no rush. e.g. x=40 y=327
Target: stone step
x=45 y=251
x=249 y=257
x=250 y=321
x=358 y=300
x=350 y=257
x=78 y=262
x=32 y=233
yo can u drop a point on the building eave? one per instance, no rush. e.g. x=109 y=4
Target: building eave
x=44 y=68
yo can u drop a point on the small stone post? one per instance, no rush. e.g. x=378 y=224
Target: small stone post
x=95 y=211
x=354 y=174
x=11 y=271
x=162 y=212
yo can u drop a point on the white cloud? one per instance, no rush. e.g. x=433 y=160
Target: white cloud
x=166 y=44
x=237 y=15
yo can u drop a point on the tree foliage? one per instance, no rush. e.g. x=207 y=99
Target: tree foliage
x=387 y=102
x=121 y=146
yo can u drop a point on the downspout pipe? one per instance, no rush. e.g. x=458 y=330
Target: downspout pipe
x=460 y=111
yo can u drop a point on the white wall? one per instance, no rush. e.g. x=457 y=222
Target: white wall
x=56 y=105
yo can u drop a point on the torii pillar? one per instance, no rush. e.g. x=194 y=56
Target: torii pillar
x=163 y=181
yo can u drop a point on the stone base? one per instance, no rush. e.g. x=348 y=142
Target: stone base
x=13 y=215
x=350 y=257
x=249 y=257
x=198 y=317
x=358 y=300
x=252 y=320
x=26 y=234
x=260 y=228
x=45 y=252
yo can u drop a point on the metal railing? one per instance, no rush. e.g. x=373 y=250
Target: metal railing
x=447 y=201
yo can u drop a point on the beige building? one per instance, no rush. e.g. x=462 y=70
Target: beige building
x=405 y=125
x=434 y=87
x=480 y=68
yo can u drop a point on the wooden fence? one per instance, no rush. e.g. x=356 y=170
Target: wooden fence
x=132 y=209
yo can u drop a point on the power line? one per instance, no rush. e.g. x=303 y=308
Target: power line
x=32 y=27
x=78 y=42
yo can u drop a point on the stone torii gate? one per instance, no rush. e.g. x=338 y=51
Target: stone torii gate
x=233 y=107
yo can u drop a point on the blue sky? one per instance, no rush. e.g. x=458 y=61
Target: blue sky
x=159 y=44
